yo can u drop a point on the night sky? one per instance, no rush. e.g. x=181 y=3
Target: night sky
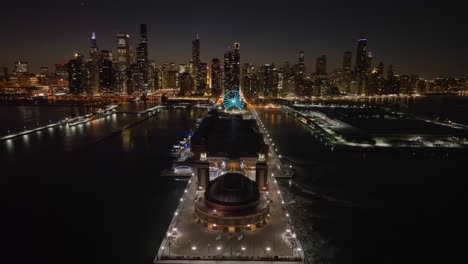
x=416 y=36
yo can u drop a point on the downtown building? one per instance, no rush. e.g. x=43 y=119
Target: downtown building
x=142 y=71
x=232 y=68
x=361 y=67
x=107 y=72
x=92 y=66
x=249 y=80
x=123 y=62
x=76 y=74
x=216 y=78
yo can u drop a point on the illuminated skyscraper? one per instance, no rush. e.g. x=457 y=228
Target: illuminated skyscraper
x=321 y=66
x=301 y=66
x=93 y=67
x=216 y=85
x=76 y=74
x=361 y=64
x=300 y=76
x=196 y=51
x=201 y=78
x=152 y=75
x=123 y=61
x=236 y=66
x=228 y=79
x=106 y=73
x=393 y=85
x=232 y=68
x=142 y=60
x=369 y=63
x=267 y=80
x=249 y=80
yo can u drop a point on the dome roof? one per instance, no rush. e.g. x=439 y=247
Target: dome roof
x=232 y=189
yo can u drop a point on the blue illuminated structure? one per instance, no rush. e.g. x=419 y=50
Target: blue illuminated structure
x=232 y=100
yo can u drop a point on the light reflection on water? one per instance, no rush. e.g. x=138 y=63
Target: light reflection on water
x=127 y=142
x=9 y=146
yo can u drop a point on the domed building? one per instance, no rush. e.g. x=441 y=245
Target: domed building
x=232 y=202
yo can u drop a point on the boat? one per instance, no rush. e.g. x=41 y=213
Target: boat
x=183 y=170
x=80 y=120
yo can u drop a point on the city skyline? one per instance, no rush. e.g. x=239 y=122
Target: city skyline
x=426 y=48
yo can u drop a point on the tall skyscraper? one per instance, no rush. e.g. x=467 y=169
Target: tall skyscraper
x=393 y=85
x=106 y=72
x=369 y=63
x=236 y=66
x=202 y=74
x=94 y=67
x=361 y=64
x=267 y=80
x=249 y=80
x=123 y=61
x=321 y=66
x=300 y=76
x=232 y=68
x=228 y=81
x=142 y=60
x=301 y=66
x=216 y=85
x=152 y=75
x=76 y=74
x=196 y=51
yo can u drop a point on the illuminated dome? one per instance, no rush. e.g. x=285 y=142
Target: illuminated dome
x=232 y=191
x=232 y=202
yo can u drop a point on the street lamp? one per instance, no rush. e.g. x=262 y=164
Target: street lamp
x=194 y=248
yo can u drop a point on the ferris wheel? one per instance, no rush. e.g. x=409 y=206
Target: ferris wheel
x=232 y=100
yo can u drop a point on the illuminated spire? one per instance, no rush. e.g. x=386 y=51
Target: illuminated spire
x=93 y=36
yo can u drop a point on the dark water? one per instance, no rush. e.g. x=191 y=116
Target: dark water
x=453 y=107
x=16 y=118
x=103 y=202
x=379 y=208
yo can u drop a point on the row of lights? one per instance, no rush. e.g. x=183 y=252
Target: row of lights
x=272 y=175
